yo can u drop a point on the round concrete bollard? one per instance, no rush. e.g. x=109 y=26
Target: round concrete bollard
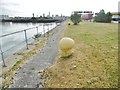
x=66 y=44
x=69 y=23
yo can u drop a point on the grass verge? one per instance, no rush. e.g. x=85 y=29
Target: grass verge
x=94 y=63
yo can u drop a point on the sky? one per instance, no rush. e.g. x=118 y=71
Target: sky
x=64 y=7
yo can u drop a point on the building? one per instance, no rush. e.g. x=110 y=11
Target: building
x=4 y=17
x=85 y=15
x=88 y=16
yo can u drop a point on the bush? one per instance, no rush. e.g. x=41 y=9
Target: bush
x=37 y=35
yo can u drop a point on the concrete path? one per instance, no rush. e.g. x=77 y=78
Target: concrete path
x=29 y=75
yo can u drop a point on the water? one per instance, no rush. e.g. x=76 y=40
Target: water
x=15 y=42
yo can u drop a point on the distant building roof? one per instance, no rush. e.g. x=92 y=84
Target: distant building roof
x=82 y=12
x=115 y=13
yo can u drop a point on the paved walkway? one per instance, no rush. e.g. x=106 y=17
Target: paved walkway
x=29 y=75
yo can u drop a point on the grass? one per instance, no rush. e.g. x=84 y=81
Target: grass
x=94 y=63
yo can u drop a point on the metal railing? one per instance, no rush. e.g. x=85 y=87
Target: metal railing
x=25 y=36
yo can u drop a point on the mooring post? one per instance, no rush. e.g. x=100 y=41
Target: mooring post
x=2 y=56
x=26 y=39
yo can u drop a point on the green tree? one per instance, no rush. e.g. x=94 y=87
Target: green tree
x=109 y=17
x=40 y=17
x=102 y=17
x=75 y=18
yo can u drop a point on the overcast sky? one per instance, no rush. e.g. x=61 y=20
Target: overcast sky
x=65 y=7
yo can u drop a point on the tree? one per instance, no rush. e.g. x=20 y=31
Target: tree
x=109 y=17
x=40 y=16
x=76 y=18
x=102 y=17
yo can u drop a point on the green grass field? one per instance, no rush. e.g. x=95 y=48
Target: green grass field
x=94 y=63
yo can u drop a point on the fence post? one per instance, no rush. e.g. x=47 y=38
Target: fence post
x=48 y=28
x=44 y=29
x=37 y=29
x=51 y=25
x=56 y=23
x=2 y=56
x=26 y=39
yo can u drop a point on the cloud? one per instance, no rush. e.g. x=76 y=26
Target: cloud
x=9 y=4
x=6 y=11
x=65 y=7
x=9 y=8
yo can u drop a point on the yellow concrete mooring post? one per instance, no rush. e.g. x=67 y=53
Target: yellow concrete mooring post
x=66 y=44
